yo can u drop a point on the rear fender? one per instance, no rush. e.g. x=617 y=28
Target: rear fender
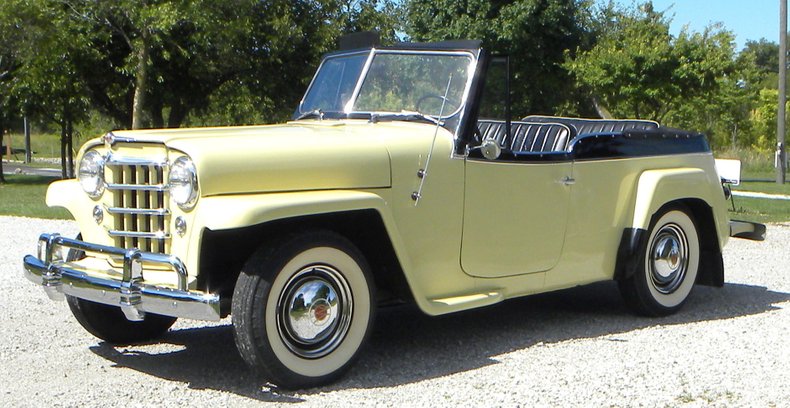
x=659 y=187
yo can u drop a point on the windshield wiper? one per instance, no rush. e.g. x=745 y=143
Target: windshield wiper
x=315 y=113
x=405 y=116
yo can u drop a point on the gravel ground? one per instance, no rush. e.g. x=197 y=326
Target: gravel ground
x=579 y=347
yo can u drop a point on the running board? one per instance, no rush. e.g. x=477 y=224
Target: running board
x=469 y=301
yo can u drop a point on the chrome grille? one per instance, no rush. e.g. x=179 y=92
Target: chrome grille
x=139 y=197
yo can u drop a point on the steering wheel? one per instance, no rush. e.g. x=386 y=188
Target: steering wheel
x=427 y=97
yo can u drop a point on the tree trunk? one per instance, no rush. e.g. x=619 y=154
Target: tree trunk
x=70 y=148
x=178 y=113
x=63 y=172
x=157 y=119
x=2 y=133
x=141 y=83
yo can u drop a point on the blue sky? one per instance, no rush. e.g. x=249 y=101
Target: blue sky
x=748 y=19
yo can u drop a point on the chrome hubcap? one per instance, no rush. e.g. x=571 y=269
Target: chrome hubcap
x=314 y=311
x=668 y=258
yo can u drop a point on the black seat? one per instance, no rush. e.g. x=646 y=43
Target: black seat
x=593 y=126
x=528 y=137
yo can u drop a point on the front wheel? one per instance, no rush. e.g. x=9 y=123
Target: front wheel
x=109 y=323
x=668 y=265
x=302 y=309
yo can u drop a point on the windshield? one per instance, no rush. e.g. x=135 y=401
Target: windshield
x=396 y=82
x=334 y=83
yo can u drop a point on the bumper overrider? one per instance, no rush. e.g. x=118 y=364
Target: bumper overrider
x=135 y=298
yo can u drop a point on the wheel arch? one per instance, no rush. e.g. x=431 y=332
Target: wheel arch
x=224 y=252
x=711 y=267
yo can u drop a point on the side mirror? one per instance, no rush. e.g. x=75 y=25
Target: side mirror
x=490 y=149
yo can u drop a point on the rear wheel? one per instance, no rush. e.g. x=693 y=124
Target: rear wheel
x=302 y=309
x=668 y=265
x=109 y=323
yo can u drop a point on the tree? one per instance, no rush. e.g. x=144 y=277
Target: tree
x=536 y=34
x=637 y=69
x=285 y=43
x=48 y=83
x=9 y=65
x=763 y=117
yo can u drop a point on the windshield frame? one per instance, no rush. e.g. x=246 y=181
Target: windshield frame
x=349 y=113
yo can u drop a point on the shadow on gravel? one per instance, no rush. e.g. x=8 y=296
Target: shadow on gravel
x=207 y=360
x=407 y=346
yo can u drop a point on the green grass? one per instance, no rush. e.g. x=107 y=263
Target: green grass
x=761 y=209
x=42 y=144
x=764 y=187
x=23 y=196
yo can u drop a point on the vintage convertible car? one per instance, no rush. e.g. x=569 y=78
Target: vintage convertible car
x=404 y=176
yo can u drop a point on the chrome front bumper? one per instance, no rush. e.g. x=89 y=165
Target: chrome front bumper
x=134 y=297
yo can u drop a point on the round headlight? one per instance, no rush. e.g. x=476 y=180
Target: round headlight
x=91 y=173
x=183 y=183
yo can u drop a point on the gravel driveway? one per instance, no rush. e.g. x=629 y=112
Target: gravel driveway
x=580 y=347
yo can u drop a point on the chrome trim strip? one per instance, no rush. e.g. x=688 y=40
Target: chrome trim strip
x=113 y=160
x=138 y=211
x=135 y=234
x=362 y=74
x=109 y=139
x=137 y=187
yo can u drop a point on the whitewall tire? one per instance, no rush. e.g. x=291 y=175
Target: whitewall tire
x=668 y=265
x=302 y=309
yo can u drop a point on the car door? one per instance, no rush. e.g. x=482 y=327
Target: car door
x=515 y=215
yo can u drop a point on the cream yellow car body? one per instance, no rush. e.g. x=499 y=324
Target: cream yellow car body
x=477 y=235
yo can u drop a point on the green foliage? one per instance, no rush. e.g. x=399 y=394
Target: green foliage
x=183 y=61
x=637 y=69
x=693 y=81
x=536 y=34
x=763 y=116
x=203 y=62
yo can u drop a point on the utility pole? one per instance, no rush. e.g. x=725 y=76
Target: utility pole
x=780 y=160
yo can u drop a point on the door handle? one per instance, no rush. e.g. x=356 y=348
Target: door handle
x=568 y=181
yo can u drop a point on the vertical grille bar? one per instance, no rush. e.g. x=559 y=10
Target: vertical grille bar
x=140 y=203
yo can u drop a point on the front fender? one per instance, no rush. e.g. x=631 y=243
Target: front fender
x=236 y=211
x=69 y=195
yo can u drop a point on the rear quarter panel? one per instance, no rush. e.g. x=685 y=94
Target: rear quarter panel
x=611 y=195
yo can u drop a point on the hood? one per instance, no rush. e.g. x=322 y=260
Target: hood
x=296 y=156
